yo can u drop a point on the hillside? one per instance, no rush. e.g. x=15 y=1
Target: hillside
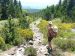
x=32 y=10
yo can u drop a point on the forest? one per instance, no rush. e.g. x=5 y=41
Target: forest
x=64 y=10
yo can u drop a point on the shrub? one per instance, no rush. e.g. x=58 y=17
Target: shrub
x=18 y=41
x=43 y=27
x=65 y=26
x=65 y=44
x=56 y=21
x=2 y=43
x=8 y=46
x=27 y=34
x=73 y=25
x=29 y=19
x=23 y=23
x=30 y=51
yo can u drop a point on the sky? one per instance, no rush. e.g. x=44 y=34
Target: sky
x=37 y=4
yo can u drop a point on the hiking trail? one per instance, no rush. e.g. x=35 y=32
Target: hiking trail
x=37 y=43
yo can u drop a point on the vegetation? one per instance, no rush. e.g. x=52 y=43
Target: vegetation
x=10 y=7
x=27 y=34
x=14 y=27
x=64 y=9
x=30 y=51
x=2 y=43
x=24 y=22
x=14 y=33
x=65 y=39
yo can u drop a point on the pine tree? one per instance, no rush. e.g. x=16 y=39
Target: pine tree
x=60 y=2
x=58 y=9
x=0 y=9
x=11 y=10
x=70 y=7
x=20 y=7
x=10 y=7
x=23 y=22
x=52 y=11
x=4 y=5
x=17 y=8
x=15 y=2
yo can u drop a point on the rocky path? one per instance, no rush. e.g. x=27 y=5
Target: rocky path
x=15 y=51
x=38 y=38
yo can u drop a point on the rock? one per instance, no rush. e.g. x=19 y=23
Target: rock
x=31 y=42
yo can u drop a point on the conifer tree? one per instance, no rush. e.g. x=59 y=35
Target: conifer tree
x=4 y=7
x=10 y=7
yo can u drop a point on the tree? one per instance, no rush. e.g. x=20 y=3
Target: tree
x=70 y=8
x=0 y=9
x=52 y=11
x=15 y=2
x=11 y=10
x=47 y=13
x=10 y=7
x=4 y=5
x=20 y=7
x=60 y=3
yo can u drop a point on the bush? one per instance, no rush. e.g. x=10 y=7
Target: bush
x=43 y=27
x=65 y=44
x=27 y=34
x=30 y=51
x=2 y=43
x=73 y=25
x=23 y=23
x=18 y=41
x=8 y=46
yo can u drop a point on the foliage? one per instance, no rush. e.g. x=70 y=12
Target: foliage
x=43 y=27
x=18 y=41
x=65 y=44
x=29 y=19
x=8 y=46
x=27 y=34
x=10 y=7
x=64 y=9
x=2 y=43
x=30 y=51
x=23 y=22
x=14 y=33
x=9 y=32
x=65 y=39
